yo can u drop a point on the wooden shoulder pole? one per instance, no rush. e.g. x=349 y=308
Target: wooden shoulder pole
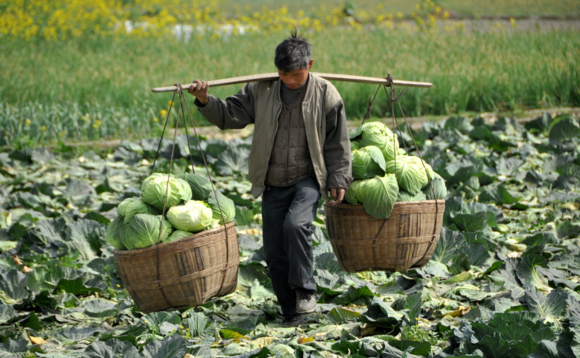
x=274 y=76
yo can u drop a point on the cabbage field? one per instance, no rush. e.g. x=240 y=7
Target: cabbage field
x=503 y=281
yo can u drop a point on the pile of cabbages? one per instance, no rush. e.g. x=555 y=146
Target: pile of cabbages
x=376 y=186
x=191 y=207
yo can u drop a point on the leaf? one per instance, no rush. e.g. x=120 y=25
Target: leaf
x=551 y=306
x=328 y=262
x=233 y=160
x=449 y=242
x=99 y=308
x=229 y=334
x=380 y=314
x=48 y=231
x=197 y=323
x=494 y=346
x=13 y=286
x=470 y=222
x=340 y=315
x=499 y=195
x=170 y=347
x=413 y=307
x=419 y=348
x=511 y=280
x=87 y=237
x=37 y=340
x=74 y=334
x=527 y=271
x=353 y=295
x=112 y=348
x=563 y=130
x=7 y=312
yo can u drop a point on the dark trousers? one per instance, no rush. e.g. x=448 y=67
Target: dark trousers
x=288 y=214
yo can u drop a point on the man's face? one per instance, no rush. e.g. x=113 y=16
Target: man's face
x=295 y=79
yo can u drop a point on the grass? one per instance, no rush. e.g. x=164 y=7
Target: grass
x=99 y=88
x=516 y=8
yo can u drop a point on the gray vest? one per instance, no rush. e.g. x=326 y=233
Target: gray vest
x=290 y=160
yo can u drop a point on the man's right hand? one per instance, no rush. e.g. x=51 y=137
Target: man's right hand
x=199 y=90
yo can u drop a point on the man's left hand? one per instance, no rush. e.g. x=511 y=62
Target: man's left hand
x=337 y=196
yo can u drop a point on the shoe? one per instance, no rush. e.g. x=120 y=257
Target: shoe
x=292 y=320
x=305 y=301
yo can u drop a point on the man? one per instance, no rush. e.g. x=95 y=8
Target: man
x=300 y=151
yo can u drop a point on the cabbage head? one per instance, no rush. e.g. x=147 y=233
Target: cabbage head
x=154 y=187
x=438 y=187
x=411 y=174
x=354 y=145
x=405 y=196
x=368 y=162
x=193 y=216
x=177 y=234
x=200 y=185
x=350 y=194
x=143 y=231
x=131 y=206
x=378 y=195
x=114 y=232
x=226 y=204
x=379 y=135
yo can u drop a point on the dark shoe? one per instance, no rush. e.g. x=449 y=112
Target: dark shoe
x=292 y=321
x=305 y=301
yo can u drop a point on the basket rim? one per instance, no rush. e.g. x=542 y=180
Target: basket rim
x=167 y=245
x=349 y=206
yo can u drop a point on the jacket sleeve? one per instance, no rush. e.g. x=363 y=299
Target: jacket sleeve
x=337 y=149
x=235 y=112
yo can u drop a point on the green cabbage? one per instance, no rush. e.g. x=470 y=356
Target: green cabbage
x=143 y=231
x=200 y=185
x=177 y=234
x=405 y=196
x=354 y=145
x=154 y=187
x=131 y=206
x=368 y=162
x=378 y=195
x=350 y=194
x=226 y=204
x=411 y=174
x=193 y=216
x=438 y=187
x=114 y=232
x=377 y=134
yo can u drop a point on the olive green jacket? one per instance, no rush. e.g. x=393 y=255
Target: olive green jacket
x=325 y=125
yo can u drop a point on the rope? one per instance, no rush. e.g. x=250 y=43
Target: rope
x=185 y=126
x=368 y=114
x=162 y=134
x=165 y=198
x=214 y=193
x=394 y=99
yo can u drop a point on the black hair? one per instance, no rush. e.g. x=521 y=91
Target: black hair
x=294 y=53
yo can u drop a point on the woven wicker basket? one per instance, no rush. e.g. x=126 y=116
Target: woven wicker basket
x=191 y=270
x=407 y=238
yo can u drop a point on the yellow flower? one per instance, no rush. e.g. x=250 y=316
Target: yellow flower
x=446 y=14
x=163 y=112
x=118 y=285
x=146 y=321
x=28 y=122
x=181 y=327
x=438 y=10
x=399 y=14
x=43 y=128
x=513 y=22
x=170 y=103
x=155 y=119
x=95 y=126
x=98 y=123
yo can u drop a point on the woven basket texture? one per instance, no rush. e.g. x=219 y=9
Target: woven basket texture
x=407 y=239
x=191 y=270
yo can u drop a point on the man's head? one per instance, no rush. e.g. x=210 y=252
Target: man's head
x=293 y=58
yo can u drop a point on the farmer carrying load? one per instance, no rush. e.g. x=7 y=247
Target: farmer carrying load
x=300 y=151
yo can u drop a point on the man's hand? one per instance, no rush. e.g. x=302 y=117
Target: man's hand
x=199 y=91
x=337 y=196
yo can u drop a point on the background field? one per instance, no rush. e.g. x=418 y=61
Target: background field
x=81 y=84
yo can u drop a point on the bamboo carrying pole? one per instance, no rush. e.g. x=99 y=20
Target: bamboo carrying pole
x=273 y=76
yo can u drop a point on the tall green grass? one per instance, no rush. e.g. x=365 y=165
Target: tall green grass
x=470 y=72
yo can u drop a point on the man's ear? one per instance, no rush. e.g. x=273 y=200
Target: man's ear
x=310 y=64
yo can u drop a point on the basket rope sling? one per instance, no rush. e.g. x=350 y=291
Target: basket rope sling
x=405 y=240
x=189 y=271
